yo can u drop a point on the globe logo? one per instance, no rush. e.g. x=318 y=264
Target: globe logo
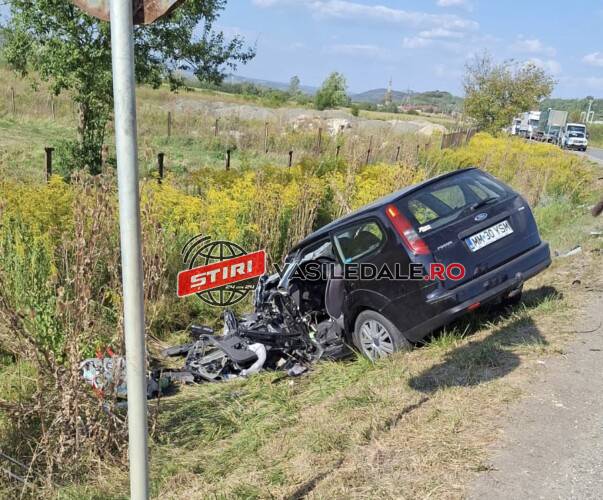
x=201 y=251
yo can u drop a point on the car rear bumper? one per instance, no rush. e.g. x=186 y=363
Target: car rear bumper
x=481 y=290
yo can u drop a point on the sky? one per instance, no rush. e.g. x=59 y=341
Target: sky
x=421 y=44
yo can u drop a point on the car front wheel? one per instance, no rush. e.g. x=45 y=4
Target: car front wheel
x=377 y=337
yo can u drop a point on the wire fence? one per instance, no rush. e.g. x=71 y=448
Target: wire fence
x=170 y=137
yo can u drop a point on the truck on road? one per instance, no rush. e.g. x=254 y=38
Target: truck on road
x=529 y=124
x=550 y=125
x=574 y=136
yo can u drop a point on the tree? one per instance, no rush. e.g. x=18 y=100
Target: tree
x=56 y=42
x=495 y=93
x=332 y=93
x=294 y=85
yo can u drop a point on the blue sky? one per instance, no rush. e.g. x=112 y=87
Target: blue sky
x=422 y=45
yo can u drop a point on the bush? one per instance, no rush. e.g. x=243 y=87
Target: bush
x=539 y=171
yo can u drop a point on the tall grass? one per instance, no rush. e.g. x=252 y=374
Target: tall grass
x=60 y=297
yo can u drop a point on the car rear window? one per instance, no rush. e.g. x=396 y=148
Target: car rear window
x=442 y=202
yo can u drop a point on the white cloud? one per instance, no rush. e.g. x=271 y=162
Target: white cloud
x=344 y=9
x=455 y=3
x=594 y=59
x=532 y=46
x=549 y=65
x=416 y=42
x=441 y=33
x=357 y=49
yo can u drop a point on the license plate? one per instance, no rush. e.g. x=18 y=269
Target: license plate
x=489 y=235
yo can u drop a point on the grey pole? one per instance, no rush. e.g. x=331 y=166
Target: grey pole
x=122 y=54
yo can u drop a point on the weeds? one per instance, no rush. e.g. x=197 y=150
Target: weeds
x=59 y=271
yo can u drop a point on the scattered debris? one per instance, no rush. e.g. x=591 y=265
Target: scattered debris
x=107 y=374
x=574 y=251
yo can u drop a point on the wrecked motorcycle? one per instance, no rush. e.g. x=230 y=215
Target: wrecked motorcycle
x=294 y=324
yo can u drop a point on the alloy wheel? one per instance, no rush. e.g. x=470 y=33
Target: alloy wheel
x=375 y=340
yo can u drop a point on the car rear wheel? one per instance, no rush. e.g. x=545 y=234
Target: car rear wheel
x=377 y=337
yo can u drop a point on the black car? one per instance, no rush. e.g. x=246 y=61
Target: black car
x=465 y=217
x=323 y=301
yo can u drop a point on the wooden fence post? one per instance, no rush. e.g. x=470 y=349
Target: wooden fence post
x=266 y=137
x=48 y=151
x=319 y=143
x=12 y=100
x=290 y=158
x=337 y=149
x=216 y=129
x=228 y=159
x=368 y=153
x=160 y=157
x=169 y=124
x=397 y=154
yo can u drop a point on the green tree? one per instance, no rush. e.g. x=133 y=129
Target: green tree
x=294 y=86
x=54 y=41
x=495 y=93
x=332 y=93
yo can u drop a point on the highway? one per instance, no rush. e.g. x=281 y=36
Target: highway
x=595 y=154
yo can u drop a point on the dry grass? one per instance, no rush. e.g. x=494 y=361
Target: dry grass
x=417 y=425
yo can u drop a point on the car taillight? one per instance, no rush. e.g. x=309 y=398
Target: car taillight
x=410 y=237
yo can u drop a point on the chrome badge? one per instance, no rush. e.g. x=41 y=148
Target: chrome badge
x=480 y=217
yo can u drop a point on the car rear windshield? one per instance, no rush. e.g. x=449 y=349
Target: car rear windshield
x=442 y=202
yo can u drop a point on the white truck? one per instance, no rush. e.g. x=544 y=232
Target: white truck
x=574 y=136
x=551 y=123
x=529 y=124
x=514 y=129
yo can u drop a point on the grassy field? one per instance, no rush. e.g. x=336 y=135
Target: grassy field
x=255 y=135
x=595 y=135
x=416 y=425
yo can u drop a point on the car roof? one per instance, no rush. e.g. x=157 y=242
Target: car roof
x=367 y=209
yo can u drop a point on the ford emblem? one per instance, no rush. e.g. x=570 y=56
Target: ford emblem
x=480 y=217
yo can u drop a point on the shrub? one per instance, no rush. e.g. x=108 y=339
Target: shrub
x=539 y=171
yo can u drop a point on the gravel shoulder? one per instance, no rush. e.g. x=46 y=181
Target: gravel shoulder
x=551 y=444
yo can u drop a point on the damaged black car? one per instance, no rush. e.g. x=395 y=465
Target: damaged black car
x=323 y=304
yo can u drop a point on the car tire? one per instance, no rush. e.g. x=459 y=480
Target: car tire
x=376 y=337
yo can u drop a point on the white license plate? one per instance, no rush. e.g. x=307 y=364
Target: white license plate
x=489 y=235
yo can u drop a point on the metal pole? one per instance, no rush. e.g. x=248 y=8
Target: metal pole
x=160 y=157
x=48 y=163
x=122 y=55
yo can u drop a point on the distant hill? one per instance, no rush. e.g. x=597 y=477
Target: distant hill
x=306 y=89
x=437 y=98
x=376 y=96
x=574 y=106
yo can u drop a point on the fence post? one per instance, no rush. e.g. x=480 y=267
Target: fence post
x=290 y=158
x=49 y=151
x=368 y=153
x=397 y=154
x=228 y=159
x=319 y=145
x=216 y=127
x=160 y=157
x=266 y=137
x=12 y=100
x=169 y=124
x=337 y=149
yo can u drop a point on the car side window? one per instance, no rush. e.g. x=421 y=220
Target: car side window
x=359 y=241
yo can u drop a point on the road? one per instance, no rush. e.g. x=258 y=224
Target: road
x=552 y=445
x=595 y=154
